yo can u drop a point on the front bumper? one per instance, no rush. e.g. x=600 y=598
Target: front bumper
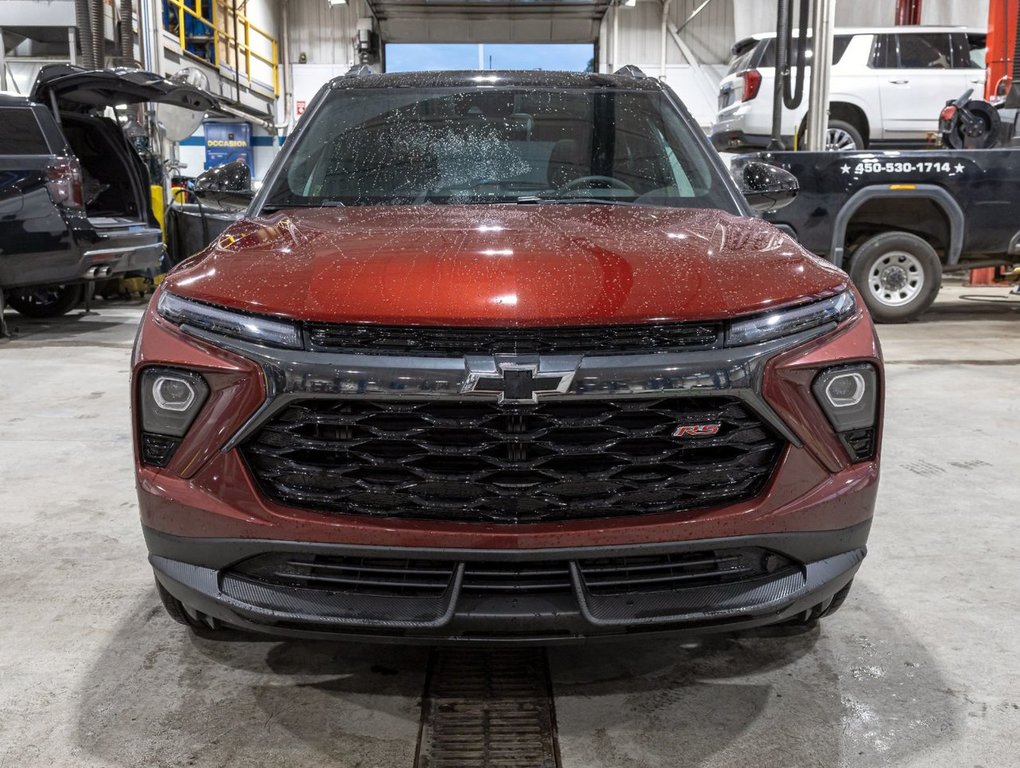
x=204 y=513
x=199 y=573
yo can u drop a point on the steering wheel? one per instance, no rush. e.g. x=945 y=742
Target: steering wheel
x=607 y=181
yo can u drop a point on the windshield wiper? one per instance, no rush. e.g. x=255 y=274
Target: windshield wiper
x=533 y=199
x=271 y=207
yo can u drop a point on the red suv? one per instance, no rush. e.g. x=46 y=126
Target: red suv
x=505 y=357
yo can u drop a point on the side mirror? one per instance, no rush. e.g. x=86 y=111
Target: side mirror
x=235 y=200
x=767 y=187
x=228 y=177
x=228 y=185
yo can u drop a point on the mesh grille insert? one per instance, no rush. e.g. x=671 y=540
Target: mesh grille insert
x=479 y=461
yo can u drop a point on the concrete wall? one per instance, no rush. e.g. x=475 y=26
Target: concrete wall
x=323 y=33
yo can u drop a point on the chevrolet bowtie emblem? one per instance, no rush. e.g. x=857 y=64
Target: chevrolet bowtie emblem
x=518 y=383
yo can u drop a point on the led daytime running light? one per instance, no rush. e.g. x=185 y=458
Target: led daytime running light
x=787 y=322
x=261 y=330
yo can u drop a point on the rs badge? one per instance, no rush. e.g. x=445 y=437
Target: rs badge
x=697 y=430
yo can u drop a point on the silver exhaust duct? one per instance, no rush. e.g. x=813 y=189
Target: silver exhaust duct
x=82 y=17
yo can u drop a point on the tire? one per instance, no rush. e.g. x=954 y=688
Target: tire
x=820 y=611
x=175 y=608
x=45 y=301
x=837 y=600
x=842 y=137
x=898 y=274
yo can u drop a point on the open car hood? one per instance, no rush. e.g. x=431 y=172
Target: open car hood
x=84 y=90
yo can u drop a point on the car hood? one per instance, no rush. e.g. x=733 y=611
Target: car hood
x=83 y=90
x=505 y=265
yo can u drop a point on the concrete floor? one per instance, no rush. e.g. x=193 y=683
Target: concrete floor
x=918 y=669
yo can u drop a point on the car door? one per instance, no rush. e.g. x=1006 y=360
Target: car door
x=916 y=79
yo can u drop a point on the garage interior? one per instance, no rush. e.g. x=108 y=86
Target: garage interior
x=918 y=668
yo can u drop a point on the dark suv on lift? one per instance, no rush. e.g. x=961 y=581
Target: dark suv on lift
x=505 y=357
x=74 y=194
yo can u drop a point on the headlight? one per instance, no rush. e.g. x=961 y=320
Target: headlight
x=169 y=399
x=262 y=330
x=786 y=322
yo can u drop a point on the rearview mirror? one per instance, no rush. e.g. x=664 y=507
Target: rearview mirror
x=767 y=187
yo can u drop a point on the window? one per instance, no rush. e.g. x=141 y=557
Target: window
x=839 y=45
x=883 y=54
x=508 y=145
x=413 y=57
x=744 y=54
x=968 y=51
x=925 y=51
x=20 y=133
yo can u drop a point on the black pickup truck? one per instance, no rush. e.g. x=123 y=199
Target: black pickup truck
x=897 y=220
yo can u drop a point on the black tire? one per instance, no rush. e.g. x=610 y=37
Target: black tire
x=898 y=274
x=841 y=126
x=44 y=301
x=837 y=600
x=175 y=608
x=820 y=611
x=851 y=131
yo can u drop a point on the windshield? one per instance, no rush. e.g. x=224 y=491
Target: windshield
x=399 y=146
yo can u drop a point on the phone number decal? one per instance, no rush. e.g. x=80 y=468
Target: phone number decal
x=903 y=166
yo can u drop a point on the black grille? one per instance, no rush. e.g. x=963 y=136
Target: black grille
x=860 y=443
x=652 y=573
x=352 y=575
x=532 y=578
x=475 y=460
x=405 y=577
x=453 y=342
x=157 y=450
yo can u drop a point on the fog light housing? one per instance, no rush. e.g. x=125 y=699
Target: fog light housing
x=849 y=396
x=173 y=393
x=846 y=390
x=169 y=400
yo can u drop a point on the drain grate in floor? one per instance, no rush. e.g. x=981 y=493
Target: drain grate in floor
x=488 y=709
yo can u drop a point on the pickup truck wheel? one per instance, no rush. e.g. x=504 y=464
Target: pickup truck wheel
x=45 y=300
x=898 y=274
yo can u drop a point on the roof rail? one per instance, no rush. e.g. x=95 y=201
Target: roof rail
x=358 y=70
x=629 y=70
